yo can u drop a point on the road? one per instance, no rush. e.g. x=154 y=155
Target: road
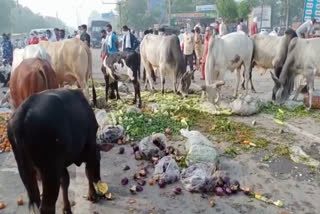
x=282 y=179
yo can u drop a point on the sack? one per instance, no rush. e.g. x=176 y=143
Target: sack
x=199 y=177
x=111 y=134
x=199 y=148
x=153 y=146
x=167 y=169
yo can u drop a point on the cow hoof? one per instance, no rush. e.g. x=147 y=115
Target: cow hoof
x=93 y=197
x=67 y=211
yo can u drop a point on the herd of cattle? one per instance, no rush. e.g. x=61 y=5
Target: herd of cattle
x=55 y=128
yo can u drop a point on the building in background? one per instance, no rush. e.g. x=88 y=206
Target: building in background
x=204 y=14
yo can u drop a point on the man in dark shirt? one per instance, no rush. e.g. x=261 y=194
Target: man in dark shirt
x=85 y=37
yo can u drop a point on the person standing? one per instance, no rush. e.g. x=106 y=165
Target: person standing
x=254 y=27
x=50 y=37
x=104 y=47
x=129 y=42
x=306 y=29
x=188 y=42
x=197 y=47
x=62 y=34
x=207 y=37
x=85 y=37
x=181 y=38
x=34 y=38
x=7 y=49
x=111 y=41
x=222 y=29
x=78 y=32
x=242 y=26
x=56 y=33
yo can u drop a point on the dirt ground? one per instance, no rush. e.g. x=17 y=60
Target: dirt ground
x=297 y=185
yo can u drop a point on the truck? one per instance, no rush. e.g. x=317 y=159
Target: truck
x=95 y=28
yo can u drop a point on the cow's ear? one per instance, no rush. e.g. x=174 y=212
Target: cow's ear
x=105 y=147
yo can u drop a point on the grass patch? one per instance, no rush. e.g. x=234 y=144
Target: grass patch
x=173 y=112
x=282 y=150
x=282 y=113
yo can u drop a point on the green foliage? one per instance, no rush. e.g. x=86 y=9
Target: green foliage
x=228 y=10
x=282 y=113
x=246 y=6
x=136 y=16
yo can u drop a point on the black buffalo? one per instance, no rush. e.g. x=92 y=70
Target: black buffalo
x=49 y=132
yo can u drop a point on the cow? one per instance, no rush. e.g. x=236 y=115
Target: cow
x=30 y=51
x=48 y=132
x=31 y=76
x=228 y=52
x=302 y=60
x=270 y=52
x=72 y=61
x=163 y=53
x=126 y=62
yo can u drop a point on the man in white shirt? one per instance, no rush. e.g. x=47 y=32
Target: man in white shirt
x=305 y=30
x=222 y=29
x=188 y=43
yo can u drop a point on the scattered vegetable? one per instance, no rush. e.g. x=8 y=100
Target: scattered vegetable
x=212 y=203
x=121 y=150
x=101 y=188
x=20 y=201
x=151 y=181
x=219 y=191
x=2 y=206
x=177 y=190
x=124 y=181
x=139 y=188
x=162 y=183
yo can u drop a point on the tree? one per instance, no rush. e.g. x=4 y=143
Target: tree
x=227 y=10
x=246 y=6
x=5 y=14
x=136 y=15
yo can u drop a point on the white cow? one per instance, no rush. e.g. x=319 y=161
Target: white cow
x=303 y=61
x=270 y=52
x=30 y=51
x=229 y=52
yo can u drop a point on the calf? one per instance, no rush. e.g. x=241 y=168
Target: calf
x=31 y=76
x=127 y=62
x=49 y=132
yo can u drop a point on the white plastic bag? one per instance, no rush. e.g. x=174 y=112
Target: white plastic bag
x=167 y=169
x=199 y=177
x=199 y=148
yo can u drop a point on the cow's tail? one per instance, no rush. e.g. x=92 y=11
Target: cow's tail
x=44 y=77
x=90 y=74
x=15 y=131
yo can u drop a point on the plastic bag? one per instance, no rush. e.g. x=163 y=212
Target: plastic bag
x=199 y=177
x=245 y=106
x=153 y=146
x=200 y=149
x=111 y=134
x=167 y=169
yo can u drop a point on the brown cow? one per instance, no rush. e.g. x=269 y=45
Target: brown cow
x=31 y=76
x=72 y=61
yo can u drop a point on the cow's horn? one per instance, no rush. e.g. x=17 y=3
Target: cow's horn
x=275 y=79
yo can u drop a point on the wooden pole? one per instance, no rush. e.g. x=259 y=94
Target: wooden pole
x=287 y=13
